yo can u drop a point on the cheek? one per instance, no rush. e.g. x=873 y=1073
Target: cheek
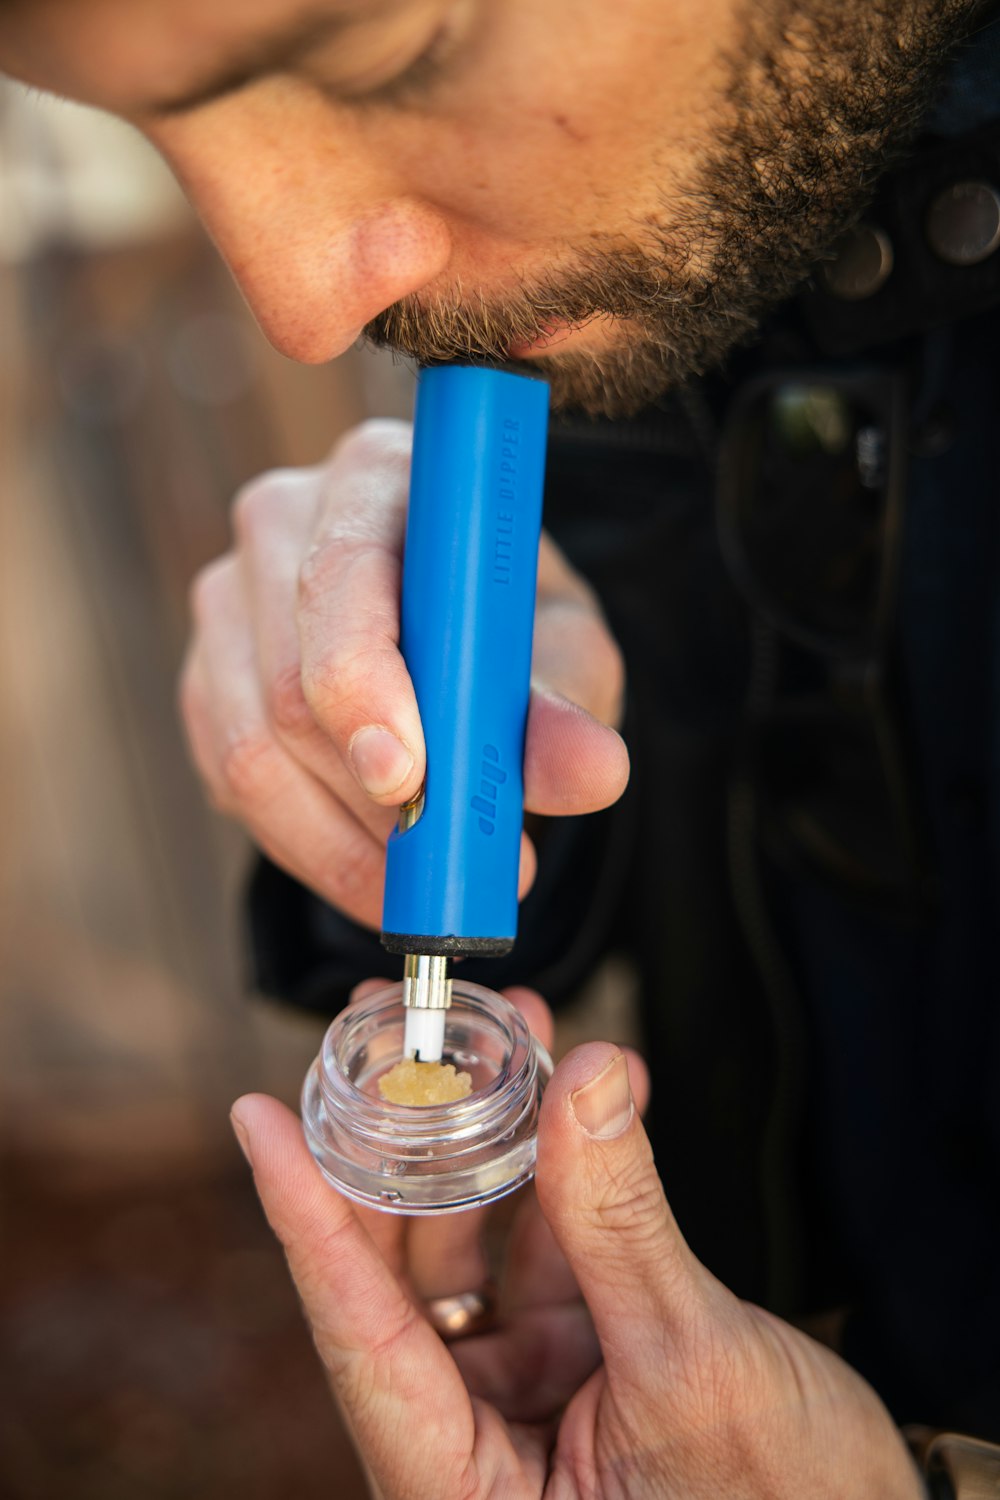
x=541 y=176
x=534 y=151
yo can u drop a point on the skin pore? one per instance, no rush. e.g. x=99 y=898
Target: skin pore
x=612 y=193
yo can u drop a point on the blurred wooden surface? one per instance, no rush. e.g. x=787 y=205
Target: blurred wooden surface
x=157 y=1347
x=141 y=398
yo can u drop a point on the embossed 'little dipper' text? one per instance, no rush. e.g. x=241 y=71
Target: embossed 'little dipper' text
x=503 y=537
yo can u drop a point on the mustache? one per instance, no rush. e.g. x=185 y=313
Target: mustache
x=626 y=286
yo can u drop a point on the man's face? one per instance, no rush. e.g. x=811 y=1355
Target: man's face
x=610 y=190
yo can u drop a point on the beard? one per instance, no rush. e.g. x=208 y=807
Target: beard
x=822 y=97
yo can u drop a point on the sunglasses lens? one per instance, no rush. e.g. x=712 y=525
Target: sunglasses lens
x=807 y=508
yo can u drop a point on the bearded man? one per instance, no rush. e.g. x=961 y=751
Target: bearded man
x=753 y=246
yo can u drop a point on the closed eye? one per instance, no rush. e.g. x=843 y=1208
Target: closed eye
x=416 y=76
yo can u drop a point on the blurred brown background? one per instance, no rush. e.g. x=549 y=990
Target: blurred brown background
x=152 y=1347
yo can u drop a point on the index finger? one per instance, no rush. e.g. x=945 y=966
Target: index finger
x=406 y=1402
x=353 y=675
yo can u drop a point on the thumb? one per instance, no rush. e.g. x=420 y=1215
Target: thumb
x=572 y=762
x=598 y=1187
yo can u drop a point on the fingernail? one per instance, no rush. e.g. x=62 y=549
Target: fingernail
x=604 y=1105
x=381 y=761
x=242 y=1139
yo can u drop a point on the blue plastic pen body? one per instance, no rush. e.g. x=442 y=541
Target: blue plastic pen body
x=469 y=582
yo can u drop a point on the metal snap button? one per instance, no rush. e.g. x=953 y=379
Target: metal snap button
x=863 y=260
x=963 y=223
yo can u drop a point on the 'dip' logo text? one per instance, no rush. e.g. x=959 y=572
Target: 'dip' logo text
x=492 y=779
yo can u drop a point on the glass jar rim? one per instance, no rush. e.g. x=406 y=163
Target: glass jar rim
x=473 y=1113
x=426 y=1158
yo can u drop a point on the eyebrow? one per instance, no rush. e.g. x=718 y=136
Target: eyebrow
x=269 y=54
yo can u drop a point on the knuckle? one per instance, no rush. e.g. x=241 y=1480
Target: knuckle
x=362 y=1366
x=257 y=501
x=339 y=687
x=353 y=872
x=364 y=569
x=349 y=563
x=375 y=442
x=629 y=1205
x=287 y=708
x=319 y=576
x=247 y=769
x=365 y=485
x=209 y=587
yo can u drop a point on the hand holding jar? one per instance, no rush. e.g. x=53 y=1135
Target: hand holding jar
x=618 y=1365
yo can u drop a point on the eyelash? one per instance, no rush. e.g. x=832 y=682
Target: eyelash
x=420 y=75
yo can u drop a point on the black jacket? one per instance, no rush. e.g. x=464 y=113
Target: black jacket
x=825 y=1058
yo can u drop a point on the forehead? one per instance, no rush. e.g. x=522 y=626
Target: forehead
x=111 y=51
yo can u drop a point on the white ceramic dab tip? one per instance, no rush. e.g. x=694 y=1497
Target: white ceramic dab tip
x=423 y=1035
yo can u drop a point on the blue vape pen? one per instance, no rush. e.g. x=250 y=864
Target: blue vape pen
x=469 y=578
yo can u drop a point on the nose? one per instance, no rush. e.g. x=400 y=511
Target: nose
x=313 y=222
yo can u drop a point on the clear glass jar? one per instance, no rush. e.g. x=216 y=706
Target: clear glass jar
x=416 y=1159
